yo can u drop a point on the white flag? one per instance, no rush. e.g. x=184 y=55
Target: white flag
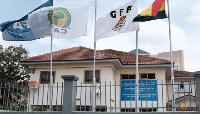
x=60 y=22
x=118 y=21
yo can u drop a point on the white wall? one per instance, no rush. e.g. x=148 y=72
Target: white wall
x=108 y=73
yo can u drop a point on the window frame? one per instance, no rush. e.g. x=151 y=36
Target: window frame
x=54 y=77
x=175 y=68
x=89 y=107
x=128 y=76
x=177 y=84
x=92 y=75
x=140 y=77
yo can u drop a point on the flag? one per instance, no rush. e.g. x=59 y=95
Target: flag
x=19 y=30
x=60 y=22
x=153 y=12
x=118 y=21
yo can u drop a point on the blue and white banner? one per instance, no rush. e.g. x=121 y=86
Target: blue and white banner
x=19 y=30
x=147 y=93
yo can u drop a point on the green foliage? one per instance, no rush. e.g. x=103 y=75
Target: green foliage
x=10 y=68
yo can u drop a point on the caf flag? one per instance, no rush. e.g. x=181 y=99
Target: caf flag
x=153 y=12
x=19 y=30
x=60 y=22
x=118 y=21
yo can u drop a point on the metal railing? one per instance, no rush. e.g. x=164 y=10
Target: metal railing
x=21 y=97
x=120 y=96
x=72 y=97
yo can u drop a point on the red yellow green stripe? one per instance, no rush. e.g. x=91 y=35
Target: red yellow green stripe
x=153 y=12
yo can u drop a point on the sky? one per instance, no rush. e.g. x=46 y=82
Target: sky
x=153 y=35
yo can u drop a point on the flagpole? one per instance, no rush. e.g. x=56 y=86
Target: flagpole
x=94 y=65
x=171 y=59
x=137 y=75
x=51 y=78
x=94 y=79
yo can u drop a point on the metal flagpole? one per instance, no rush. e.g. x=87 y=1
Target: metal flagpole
x=51 y=79
x=137 y=76
x=94 y=78
x=171 y=59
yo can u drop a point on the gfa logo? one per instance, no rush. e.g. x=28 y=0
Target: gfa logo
x=122 y=19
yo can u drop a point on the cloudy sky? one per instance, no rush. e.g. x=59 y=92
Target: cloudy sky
x=153 y=35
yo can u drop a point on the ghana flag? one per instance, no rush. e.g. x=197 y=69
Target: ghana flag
x=153 y=12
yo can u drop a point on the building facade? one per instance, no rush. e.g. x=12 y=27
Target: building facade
x=115 y=78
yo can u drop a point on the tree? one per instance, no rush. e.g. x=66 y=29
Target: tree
x=10 y=68
x=13 y=78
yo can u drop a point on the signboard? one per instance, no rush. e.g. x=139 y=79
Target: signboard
x=182 y=86
x=147 y=93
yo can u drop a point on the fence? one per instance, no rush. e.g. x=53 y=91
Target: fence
x=120 y=97
x=110 y=97
x=20 y=97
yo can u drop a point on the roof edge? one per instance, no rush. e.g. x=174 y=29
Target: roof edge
x=88 y=61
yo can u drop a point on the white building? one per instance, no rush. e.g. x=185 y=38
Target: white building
x=112 y=68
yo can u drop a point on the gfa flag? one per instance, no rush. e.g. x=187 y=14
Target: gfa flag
x=118 y=21
x=19 y=30
x=60 y=22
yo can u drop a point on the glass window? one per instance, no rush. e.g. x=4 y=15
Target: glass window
x=151 y=76
x=131 y=76
x=148 y=76
x=147 y=110
x=127 y=76
x=89 y=108
x=175 y=68
x=83 y=108
x=45 y=77
x=183 y=87
x=127 y=110
x=143 y=76
x=89 y=75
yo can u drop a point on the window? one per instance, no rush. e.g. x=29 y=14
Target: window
x=45 y=77
x=83 y=108
x=143 y=76
x=127 y=110
x=89 y=108
x=182 y=87
x=151 y=76
x=175 y=68
x=101 y=108
x=127 y=77
x=89 y=75
x=147 y=76
x=147 y=110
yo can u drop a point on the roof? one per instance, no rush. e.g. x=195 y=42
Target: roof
x=181 y=98
x=183 y=74
x=84 y=54
x=139 y=52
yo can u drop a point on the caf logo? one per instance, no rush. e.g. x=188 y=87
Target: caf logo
x=59 y=17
